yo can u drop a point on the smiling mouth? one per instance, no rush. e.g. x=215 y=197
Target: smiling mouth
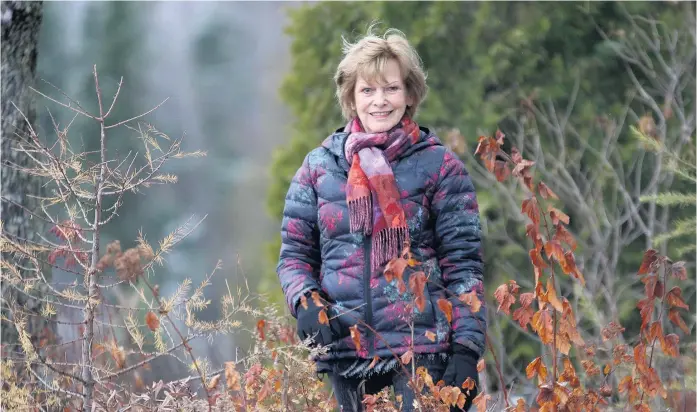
x=381 y=115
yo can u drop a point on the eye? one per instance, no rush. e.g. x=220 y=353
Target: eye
x=393 y=88
x=366 y=90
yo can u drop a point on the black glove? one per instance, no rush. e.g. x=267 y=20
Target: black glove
x=462 y=365
x=309 y=325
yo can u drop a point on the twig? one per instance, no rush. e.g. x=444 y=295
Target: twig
x=137 y=117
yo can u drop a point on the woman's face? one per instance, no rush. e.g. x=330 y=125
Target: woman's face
x=380 y=106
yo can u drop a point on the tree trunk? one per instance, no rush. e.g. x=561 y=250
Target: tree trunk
x=21 y=22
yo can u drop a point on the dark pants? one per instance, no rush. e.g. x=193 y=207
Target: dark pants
x=349 y=391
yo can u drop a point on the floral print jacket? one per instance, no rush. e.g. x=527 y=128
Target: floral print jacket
x=319 y=252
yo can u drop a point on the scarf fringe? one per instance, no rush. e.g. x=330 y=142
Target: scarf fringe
x=387 y=244
x=360 y=216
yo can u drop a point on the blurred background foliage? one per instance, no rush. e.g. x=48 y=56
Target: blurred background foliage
x=251 y=85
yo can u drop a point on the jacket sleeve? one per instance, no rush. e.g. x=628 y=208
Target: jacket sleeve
x=299 y=262
x=459 y=249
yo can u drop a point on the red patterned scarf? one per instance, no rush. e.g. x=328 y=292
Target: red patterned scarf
x=371 y=191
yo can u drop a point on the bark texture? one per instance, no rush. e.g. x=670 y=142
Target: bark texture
x=21 y=22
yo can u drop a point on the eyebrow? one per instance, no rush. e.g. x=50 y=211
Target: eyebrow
x=366 y=84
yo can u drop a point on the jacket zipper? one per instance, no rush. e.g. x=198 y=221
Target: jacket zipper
x=367 y=296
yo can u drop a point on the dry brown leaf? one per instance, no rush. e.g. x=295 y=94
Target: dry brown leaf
x=152 y=321
x=406 y=357
x=430 y=336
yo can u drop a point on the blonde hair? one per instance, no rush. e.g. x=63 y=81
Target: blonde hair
x=367 y=58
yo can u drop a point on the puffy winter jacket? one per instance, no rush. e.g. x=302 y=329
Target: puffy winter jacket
x=319 y=252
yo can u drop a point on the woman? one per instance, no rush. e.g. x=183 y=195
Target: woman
x=379 y=184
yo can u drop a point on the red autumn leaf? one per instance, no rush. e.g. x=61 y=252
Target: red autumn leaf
x=213 y=383
x=675 y=317
x=612 y=330
x=119 y=356
x=563 y=235
x=532 y=232
x=501 y=170
x=656 y=331
x=374 y=362
x=640 y=358
x=445 y=395
x=563 y=343
x=232 y=377
x=520 y=406
x=551 y=297
x=546 y=397
x=536 y=259
x=645 y=307
x=678 y=270
x=417 y=283
x=481 y=365
x=554 y=249
x=487 y=149
x=625 y=384
x=569 y=374
x=630 y=385
x=499 y=137
x=356 y=337
x=316 y=298
x=481 y=401
x=590 y=367
x=303 y=301
x=523 y=315
x=322 y=317
x=650 y=256
x=526 y=299
x=650 y=285
x=669 y=345
x=546 y=192
x=557 y=216
x=650 y=382
x=536 y=367
x=152 y=321
x=430 y=336
x=522 y=168
x=461 y=400
x=469 y=384
x=532 y=210
x=542 y=324
x=674 y=298
x=406 y=357
x=446 y=307
x=472 y=300
x=504 y=298
x=395 y=269
x=482 y=145
x=261 y=323
x=266 y=390
x=658 y=291
x=569 y=267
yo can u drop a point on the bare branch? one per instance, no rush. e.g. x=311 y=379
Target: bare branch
x=67 y=106
x=116 y=96
x=137 y=117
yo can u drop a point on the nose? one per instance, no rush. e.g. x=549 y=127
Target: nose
x=380 y=98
